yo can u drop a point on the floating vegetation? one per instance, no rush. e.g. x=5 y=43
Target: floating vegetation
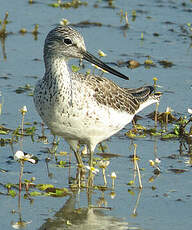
x=166 y=64
x=35 y=31
x=177 y=171
x=178 y=128
x=33 y=189
x=149 y=63
x=22 y=31
x=69 y=4
x=132 y=64
x=4 y=130
x=87 y=23
x=23 y=89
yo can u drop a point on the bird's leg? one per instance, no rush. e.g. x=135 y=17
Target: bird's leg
x=80 y=170
x=90 y=178
x=91 y=159
x=78 y=158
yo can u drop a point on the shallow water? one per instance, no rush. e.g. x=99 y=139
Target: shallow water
x=164 y=203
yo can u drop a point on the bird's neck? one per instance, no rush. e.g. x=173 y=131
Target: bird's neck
x=57 y=67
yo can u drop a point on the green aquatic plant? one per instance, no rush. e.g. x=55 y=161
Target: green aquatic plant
x=68 y=4
x=134 y=14
x=166 y=64
x=23 y=89
x=124 y=17
x=167 y=127
x=22 y=31
x=148 y=62
x=21 y=157
x=35 y=31
x=3 y=30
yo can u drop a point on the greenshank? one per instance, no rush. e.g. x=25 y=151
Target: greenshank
x=83 y=108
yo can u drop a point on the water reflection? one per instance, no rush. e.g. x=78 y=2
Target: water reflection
x=2 y=40
x=70 y=217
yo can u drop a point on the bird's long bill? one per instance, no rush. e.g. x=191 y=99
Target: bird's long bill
x=90 y=58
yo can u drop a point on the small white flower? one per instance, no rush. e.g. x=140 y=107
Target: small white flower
x=113 y=195
x=103 y=164
x=157 y=160
x=23 y=110
x=189 y=111
x=20 y=156
x=92 y=169
x=20 y=224
x=64 y=22
x=113 y=175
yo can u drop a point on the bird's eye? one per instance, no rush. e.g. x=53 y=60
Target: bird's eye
x=67 y=41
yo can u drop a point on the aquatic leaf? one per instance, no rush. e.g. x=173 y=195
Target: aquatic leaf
x=43 y=187
x=148 y=63
x=12 y=193
x=54 y=5
x=169 y=136
x=132 y=64
x=63 y=153
x=130 y=134
x=107 y=156
x=35 y=193
x=166 y=64
x=22 y=31
x=156 y=134
x=57 y=192
x=102 y=188
x=23 y=89
x=178 y=171
x=2 y=132
x=62 y=164
x=30 y=131
x=87 y=23
x=131 y=182
x=176 y=129
x=8 y=185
